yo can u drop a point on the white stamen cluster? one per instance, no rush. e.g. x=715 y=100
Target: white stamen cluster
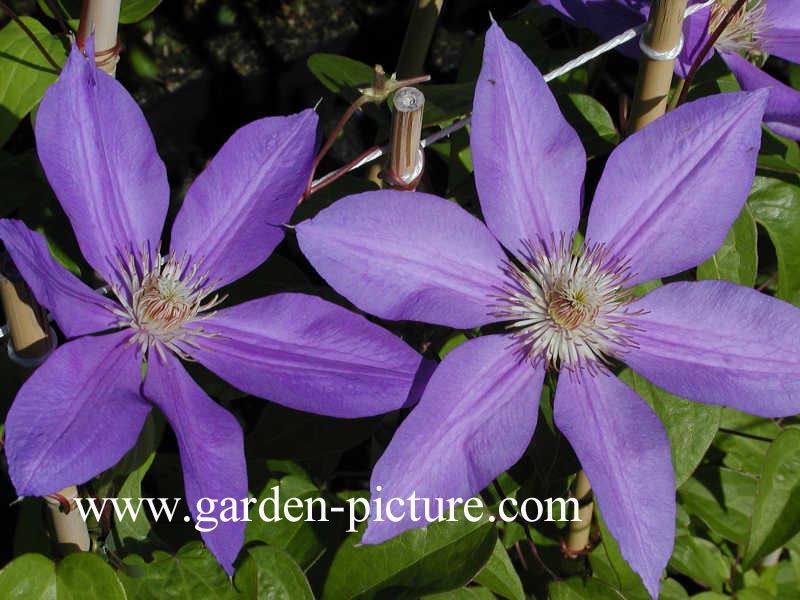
x=744 y=34
x=567 y=309
x=159 y=297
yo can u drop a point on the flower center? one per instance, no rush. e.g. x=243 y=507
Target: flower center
x=159 y=297
x=567 y=309
x=746 y=29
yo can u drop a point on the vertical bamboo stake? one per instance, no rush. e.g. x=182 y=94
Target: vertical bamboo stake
x=31 y=342
x=418 y=37
x=26 y=323
x=406 y=159
x=101 y=17
x=579 y=531
x=662 y=36
x=69 y=526
x=26 y=320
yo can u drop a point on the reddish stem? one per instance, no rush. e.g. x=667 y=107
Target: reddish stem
x=715 y=35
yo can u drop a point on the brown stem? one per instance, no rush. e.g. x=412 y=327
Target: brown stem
x=31 y=35
x=663 y=33
x=331 y=139
x=341 y=171
x=58 y=14
x=379 y=87
x=712 y=39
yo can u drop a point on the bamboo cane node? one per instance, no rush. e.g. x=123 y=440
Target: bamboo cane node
x=658 y=55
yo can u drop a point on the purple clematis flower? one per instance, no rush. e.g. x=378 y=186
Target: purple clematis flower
x=665 y=202
x=80 y=411
x=760 y=28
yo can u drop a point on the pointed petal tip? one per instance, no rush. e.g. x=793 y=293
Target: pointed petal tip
x=653 y=586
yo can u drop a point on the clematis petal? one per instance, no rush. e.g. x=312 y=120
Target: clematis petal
x=76 y=416
x=406 y=255
x=211 y=448
x=309 y=354
x=100 y=159
x=783 y=108
x=77 y=309
x=233 y=213
x=671 y=192
x=782 y=37
x=624 y=451
x=720 y=343
x=695 y=36
x=529 y=163
x=448 y=446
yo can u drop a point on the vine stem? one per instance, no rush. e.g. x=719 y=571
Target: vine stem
x=366 y=156
x=419 y=34
x=712 y=39
x=377 y=152
x=26 y=30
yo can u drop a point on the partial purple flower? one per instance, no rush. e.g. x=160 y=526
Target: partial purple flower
x=84 y=407
x=759 y=28
x=665 y=202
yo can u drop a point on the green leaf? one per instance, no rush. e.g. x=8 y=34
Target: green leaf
x=737 y=258
x=740 y=438
x=133 y=11
x=776 y=206
x=794 y=75
x=341 y=75
x=453 y=342
x=440 y=557
x=578 y=589
x=609 y=566
x=446 y=102
x=24 y=72
x=776 y=516
x=86 y=576
x=500 y=576
x=191 y=573
x=29 y=577
x=723 y=499
x=469 y=593
x=700 y=560
x=778 y=154
x=672 y=590
x=71 y=9
x=691 y=426
x=592 y=123
x=753 y=593
x=139 y=528
x=299 y=538
x=271 y=573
